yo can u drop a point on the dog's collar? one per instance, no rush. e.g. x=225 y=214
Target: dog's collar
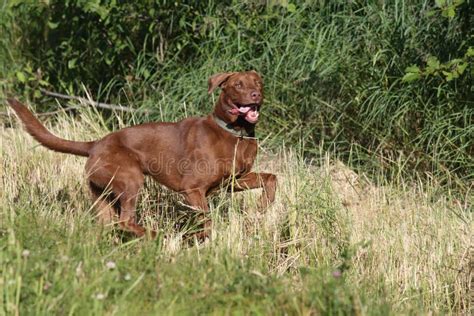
x=229 y=128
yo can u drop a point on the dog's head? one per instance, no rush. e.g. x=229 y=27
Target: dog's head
x=242 y=94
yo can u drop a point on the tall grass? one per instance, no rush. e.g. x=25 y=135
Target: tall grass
x=332 y=243
x=332 y=71
x=373 y=211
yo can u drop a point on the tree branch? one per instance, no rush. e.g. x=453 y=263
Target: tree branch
x=91 y=102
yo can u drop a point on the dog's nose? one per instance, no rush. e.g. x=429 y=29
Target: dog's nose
x=255 y=95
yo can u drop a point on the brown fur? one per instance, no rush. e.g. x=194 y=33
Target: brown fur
x=193 y=156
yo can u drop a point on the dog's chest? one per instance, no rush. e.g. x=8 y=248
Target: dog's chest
x=244 y=155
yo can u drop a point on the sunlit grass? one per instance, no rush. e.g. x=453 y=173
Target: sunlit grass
x=332 y=72
x=333 y=242
x=374 y=206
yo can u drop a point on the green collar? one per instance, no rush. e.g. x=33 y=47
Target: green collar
x=229 y=128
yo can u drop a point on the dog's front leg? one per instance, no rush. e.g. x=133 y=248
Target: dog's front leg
x=254 y=180
x=197 y=199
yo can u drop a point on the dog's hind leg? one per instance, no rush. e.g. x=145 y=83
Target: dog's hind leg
x=128 y=194
x=126 y=185
x=105 y=204
x=125 y=179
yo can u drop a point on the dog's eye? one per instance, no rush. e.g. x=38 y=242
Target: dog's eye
x=238 y=85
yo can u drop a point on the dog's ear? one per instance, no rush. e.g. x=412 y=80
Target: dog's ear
x=218 y=80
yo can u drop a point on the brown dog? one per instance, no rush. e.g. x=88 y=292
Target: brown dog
x=193 y=157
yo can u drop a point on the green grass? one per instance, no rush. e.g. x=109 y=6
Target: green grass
x=332 y=243
x=374 y=203
x=332 y=71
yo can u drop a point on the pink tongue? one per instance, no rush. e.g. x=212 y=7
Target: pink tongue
x=251 y=116
x=249 y=113
x=244 y=109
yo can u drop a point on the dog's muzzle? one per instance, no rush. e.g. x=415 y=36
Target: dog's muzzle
x=249 y=113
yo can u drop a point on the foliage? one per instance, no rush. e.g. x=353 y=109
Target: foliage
x=337 y=73
x=451 y=69
x=336 y=81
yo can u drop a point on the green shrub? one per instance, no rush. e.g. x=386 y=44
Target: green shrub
x=333 y=69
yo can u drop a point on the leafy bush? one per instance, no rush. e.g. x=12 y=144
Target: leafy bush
x=333 y=69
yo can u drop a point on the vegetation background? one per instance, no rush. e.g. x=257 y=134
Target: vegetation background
x=368 y=121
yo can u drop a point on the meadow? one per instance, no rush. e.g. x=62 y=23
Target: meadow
x=368 y=125
x=332 y=243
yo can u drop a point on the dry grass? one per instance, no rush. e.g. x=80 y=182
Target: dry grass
x=407 y=246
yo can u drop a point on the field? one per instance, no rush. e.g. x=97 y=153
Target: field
x=333 y=242
x=368 y=123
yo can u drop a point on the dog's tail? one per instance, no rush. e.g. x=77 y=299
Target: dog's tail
x=42 y=135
